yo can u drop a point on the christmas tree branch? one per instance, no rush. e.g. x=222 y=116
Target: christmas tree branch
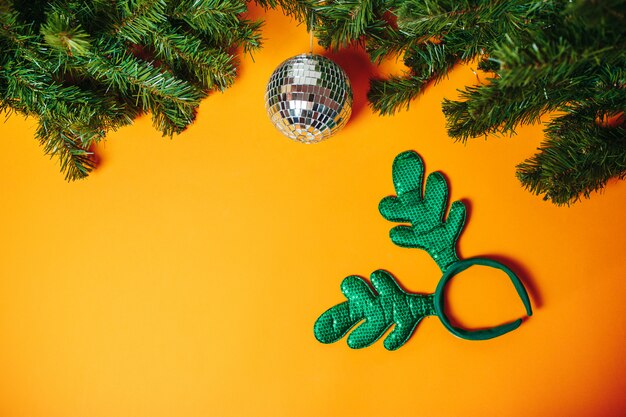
x=138 y=18
x=579 y=156
x=152 y=88
x=429 y=62
x=85 y=68
x=210 y=17
x=64 y=142
x=183 y=52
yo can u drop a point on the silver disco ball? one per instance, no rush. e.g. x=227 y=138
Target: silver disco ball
x=308 y=98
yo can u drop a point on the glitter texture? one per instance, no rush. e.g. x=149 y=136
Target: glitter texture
x=308 y=98
x=422 y=212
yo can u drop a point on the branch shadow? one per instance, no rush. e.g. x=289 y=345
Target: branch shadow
x=360 y=69
x=96 y=155
x=524 y=275
x=468 y=215
x=255 y=13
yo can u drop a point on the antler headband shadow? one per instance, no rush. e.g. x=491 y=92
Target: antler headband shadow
x=389 y=304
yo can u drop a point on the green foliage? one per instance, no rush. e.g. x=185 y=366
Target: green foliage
x=578 y=157
x=337 y=22
x=377 y=311
x=424 y=211
x=84 y=68
x=558 y=57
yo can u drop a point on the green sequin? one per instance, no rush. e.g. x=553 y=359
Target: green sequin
x=392 y=305
x=425 y=212
x=426 y=228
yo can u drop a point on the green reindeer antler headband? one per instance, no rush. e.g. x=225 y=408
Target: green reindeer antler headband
x=429 y=231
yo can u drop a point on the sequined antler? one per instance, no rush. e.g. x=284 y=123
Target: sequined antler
x=428 y=230
x=392 y=305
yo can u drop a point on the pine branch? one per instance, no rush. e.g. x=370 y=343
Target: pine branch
x=219 y=21
x=351 y=19
x=64 y=142
x=208 y=16
x=153 y=89
x=85 y=68
x=578 y=157
x=70 y=120
x=248 y=35
x=429 y=62
x=171 y=100
x=387 y=96
x=386 y=41
x=59 y=33
x=337 y=23
x=35 y=93
x=138 y=18
x=544 y=57
x=30 y=88
x=299 y=9
x=534 y=80
x=184 y=53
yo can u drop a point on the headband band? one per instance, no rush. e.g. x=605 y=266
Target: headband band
x=482 y=334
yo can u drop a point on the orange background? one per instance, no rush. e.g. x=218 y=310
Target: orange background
x=184 y=276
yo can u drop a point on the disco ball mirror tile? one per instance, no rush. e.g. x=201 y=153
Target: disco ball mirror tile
x=308 y=98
